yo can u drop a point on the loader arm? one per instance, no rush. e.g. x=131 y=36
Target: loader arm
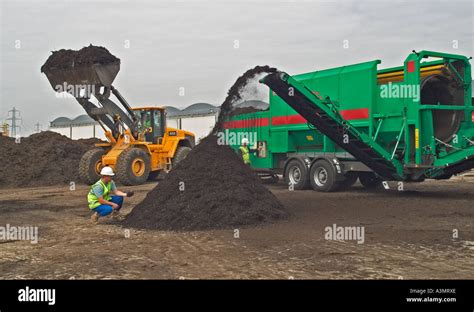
x=96 y=80
x=89 y=107
x=110 y=109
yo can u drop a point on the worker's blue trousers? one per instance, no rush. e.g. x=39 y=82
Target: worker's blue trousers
x=104 y=210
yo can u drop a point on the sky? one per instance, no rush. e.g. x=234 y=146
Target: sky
x=201 y=47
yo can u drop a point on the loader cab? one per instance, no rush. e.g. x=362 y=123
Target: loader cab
x=152 y=123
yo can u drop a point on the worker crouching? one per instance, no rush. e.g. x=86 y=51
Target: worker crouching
x=104 y=198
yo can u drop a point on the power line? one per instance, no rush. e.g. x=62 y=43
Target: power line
x=37 y=127
x=14 y=118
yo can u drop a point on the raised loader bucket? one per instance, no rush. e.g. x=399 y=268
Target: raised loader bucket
x=91 y=67
x=92 y=75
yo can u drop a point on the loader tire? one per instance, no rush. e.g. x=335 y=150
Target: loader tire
x=180 y=154
x=133 y=166
x=369 y=180
x=90 y=165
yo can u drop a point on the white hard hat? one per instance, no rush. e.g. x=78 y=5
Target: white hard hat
x=107 y=171
x=245 y=141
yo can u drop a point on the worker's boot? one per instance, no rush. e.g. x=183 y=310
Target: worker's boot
x=117 y=216
x=95 y=218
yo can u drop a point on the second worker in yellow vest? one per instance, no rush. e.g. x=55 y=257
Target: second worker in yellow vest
x=245 y=151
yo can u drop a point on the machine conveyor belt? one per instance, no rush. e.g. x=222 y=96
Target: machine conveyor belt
x=317 y=112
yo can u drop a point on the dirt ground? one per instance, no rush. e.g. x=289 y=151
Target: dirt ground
x=408 y=235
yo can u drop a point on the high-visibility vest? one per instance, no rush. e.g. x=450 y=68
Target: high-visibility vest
x=245 y=154
x=93 y=200
x=147 y=124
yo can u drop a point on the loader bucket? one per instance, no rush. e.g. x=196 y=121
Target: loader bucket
x=97 y=75
x=91 y=67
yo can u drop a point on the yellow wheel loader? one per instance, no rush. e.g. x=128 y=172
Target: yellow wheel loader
x=139 y=146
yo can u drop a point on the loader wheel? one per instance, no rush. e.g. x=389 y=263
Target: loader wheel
x=350 y=179
x=296 y=173
x=180 y=154
x=323 y=177
x=369 y=180
x=133 y=166
x=90 y=165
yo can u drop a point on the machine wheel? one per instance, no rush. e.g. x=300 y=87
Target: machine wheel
x=369 y=180
x=323 y=177
x=133 y=166
x=180 y=154
x=296 y=173
x=90 y=165
x=350 y=179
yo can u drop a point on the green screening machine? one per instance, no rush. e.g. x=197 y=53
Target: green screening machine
x=329 y=128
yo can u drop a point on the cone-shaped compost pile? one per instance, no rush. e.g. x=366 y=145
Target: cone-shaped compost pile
x=211 y=188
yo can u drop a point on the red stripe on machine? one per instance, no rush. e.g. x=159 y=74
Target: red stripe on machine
x=288 y=120
x=349 y=114
x=411 y=66
x=359 y=113
x=246 y=123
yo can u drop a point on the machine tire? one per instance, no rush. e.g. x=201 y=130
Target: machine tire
x=180 y=154
x=90 y=165
x=297 y=173
x=133 y=166
x=350 y=179
x=369 y=180
x=323 y=176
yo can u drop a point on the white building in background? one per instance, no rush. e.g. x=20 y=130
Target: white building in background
x=198 y=118
x=81 y=127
